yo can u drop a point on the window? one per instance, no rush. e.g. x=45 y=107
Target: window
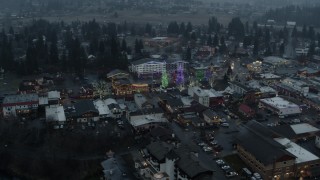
x=284 y=162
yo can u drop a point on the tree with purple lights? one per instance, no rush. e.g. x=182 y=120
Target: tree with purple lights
x=180 y=75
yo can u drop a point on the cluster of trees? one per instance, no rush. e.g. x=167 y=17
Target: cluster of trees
x=175 y=29
x=302 y=15
x=6 y=54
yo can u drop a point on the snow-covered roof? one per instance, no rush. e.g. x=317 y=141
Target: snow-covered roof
x=303 y=128
x=102 y=107
x=279 y=103
x=55 y=113
x=302 y=155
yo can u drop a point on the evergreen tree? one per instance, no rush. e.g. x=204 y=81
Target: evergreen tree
x=281 y=49
x=236 y=28
x=215 y=41
x=164 y=80
x=148 y=29
x=311 y=51
x=124 y=45
x=189 y=27
x=188 y=54
x=256 y=47
x=294 y=33
x=53 y=55
x=209 y=41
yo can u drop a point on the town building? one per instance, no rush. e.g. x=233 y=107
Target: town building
x=280 y=106
x=55 y=115
x=108 y=108
x=82 y=112
x=274 y=156
x=246 y=111
x=206 y=97
x=148 y=67
x=146 y=119
x=174 y=162
x=20 y=104
x=211 y=117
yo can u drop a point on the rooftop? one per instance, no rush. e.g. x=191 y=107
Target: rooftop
x=55 y=113
x=20 y=98
x=302 y=155
x=304 y=128
x=279 y=103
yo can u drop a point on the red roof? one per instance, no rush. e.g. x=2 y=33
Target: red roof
x=245 y=108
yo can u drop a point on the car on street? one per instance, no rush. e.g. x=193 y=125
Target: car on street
x=224 y=124
x=220 y=162
x=231 y=174
x=225 y=167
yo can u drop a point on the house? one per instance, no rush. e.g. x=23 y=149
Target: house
x=239 y=88
x=146 y=119
x=142 y=101
x=211 y=117
x=108 y=108
x=83 y=111
x=206 y=97
x=124 y=87
x=113 y=170
x=49 y=98
x=20 y=104
x=189 y=118
x=246 y=111
x=170 y=103
x=55 y=114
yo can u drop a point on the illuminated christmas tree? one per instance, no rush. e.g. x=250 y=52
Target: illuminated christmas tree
x=208 y=74
x=180 y=75
x=164 y=80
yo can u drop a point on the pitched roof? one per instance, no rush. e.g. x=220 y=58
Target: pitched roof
x=245 y=108
x=159 y=149
x=209 y=113
x=84 y=106
x=258 y=141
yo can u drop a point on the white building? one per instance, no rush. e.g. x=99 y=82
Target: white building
x=55 y=114
x=19 y=104
x=205 y=97
x=147 y=66
x=52 y=97
x=301 y=51
x=108 y=108
x=146 y=118
x=280 y=106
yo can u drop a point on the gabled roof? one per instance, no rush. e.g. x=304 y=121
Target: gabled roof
x=209 y=113
x=84 y=106
x=245 y=108
x=258 y=140
x=159 y=149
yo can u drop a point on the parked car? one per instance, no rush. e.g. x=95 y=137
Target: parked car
x=225 y=124
x=225 y=167
x=231 y=174
x=220 y=162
